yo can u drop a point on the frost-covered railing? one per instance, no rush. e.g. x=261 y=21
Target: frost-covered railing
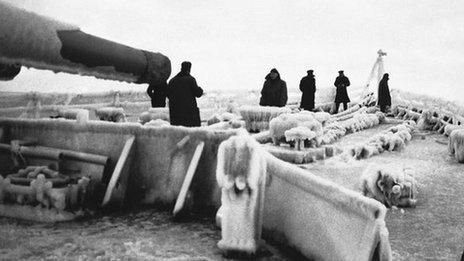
x=17 y=99
x=325 y=95
x=316 y=217
x=426 y=102
x=36 y=105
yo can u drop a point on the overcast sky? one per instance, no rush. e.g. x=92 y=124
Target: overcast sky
x=233 y=44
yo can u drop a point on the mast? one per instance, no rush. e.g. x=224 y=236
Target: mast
x=378 y=67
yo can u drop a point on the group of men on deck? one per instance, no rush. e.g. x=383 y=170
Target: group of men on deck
x=274 y=92
x=182 y=91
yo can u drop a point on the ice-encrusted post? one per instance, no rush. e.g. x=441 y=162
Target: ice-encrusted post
x=241 y=174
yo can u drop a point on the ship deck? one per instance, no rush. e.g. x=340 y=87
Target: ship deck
x=431 y=231
x=148 y=234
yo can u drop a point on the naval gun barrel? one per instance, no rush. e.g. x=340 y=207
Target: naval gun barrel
x=31 y=40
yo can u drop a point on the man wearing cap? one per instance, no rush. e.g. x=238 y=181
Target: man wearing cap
x=341 y=82
x=182 y=90
x=308 y=88
x=274 y=92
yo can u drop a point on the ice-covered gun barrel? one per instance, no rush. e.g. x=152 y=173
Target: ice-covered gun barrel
x=31 y=40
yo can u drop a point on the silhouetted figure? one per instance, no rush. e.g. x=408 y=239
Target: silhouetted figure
x=182 y=90
x=157 y=93
x=384 y=98
x=308 y=88
x=274 y=92
x=341 y=82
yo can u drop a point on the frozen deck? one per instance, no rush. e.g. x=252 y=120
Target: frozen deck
x=141 y=235
x=434 y=229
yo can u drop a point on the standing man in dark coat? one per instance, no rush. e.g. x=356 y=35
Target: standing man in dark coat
x=384 y=98
x=182 y=90
x=308 y=88
x=157 y=93
x=341 y=82
x=274 y=92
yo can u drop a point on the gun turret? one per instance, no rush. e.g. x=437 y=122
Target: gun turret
x=31 y=40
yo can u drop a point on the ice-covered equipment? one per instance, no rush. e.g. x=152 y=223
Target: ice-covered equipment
x=241 y=174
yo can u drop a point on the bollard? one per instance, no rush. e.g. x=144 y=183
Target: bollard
x=241 y=174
